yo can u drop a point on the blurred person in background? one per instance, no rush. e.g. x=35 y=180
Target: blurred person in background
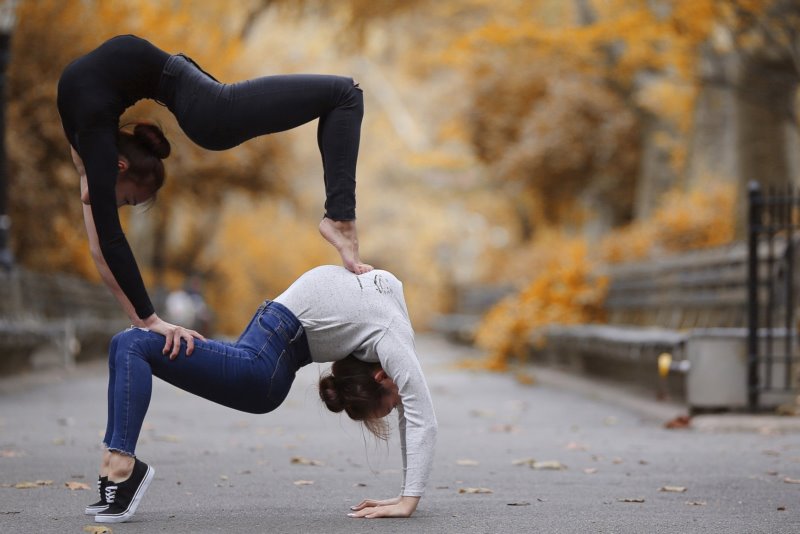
x=358 y=322
x=186 y=306
x=118 y=167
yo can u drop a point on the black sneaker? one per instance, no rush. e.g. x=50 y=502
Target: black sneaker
x=124 y=497
x=102 y=504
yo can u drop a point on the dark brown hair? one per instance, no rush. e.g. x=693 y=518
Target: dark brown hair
x=144 y=148
x=351 y=387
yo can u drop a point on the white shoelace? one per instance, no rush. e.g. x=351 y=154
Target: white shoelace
x=111 y=494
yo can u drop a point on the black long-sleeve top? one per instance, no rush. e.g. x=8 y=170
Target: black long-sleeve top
x=93 y=92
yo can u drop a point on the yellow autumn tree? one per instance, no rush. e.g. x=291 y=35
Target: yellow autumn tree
x=564 y=284
x=564 y=288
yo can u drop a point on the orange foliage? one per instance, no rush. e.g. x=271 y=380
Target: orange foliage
x=700 y=218
x=630 y=58
x=564 y=289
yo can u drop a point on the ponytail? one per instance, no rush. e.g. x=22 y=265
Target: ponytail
x=144 y=148
x=351 y=387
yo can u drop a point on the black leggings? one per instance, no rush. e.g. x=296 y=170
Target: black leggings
x=218 y=116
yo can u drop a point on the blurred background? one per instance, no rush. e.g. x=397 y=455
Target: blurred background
x=517 y=144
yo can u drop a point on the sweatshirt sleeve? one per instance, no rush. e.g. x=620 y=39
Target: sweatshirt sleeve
x=98 y=150
x=417 y=420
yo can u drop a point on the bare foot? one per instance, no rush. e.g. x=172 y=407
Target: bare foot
x=342 y=235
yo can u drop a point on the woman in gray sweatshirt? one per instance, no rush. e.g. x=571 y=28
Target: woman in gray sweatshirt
x=358 y=322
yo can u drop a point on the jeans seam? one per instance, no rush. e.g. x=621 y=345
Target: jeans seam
x=274 y=372
x=127 y=394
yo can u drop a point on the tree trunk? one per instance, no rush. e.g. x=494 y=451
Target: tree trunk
x=712 y=151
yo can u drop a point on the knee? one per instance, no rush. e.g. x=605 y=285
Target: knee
x=114 y=346
x=123 y=342
x=350 y=92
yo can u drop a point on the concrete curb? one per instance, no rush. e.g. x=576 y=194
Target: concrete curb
x=653 y=410
x=764 y=424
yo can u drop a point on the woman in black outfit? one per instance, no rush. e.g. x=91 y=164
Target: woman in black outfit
x=119 y=167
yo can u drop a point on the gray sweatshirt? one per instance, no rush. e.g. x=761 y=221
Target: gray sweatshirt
x=366 y=315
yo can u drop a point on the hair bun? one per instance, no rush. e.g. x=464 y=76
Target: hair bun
x=153 y=138
x=330 y=395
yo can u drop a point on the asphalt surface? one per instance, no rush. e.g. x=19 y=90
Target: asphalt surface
x=218 y=470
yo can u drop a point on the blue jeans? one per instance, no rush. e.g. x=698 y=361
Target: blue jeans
x=218 y=116
x=253 y=374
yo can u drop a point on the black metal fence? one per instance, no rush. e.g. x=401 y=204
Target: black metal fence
x=774 y=234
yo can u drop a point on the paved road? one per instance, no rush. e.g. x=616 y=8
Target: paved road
x=222 y=471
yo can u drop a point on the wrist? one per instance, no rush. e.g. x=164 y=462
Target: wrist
x=149 y=321
x=408 y=503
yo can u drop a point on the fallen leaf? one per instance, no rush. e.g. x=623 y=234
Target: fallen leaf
x=442 y=487
x=59 y=441
x=474 y=490
x=696 y=503
x=791 y=480
x=682 y=421
x=76 y=485
x=223 y=477
x=781 y=508
x=616 y=460
x=521 y=503
x=466 y=462
x=359 y=485
x=549 y=465
x=643 y=462
x=673 y=489
x=304 y=461
x=303 y=482
x=245 y=472
x=96 y=529
x=631 y=499
x=506 y=428
x=524 y=461
x=772 y=473
x=44 y=482
x=26 y=485
x=590 y=470
x=526 y=379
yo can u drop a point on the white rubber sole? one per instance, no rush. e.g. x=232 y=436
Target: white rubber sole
x=137 y=497
x=94 y=510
